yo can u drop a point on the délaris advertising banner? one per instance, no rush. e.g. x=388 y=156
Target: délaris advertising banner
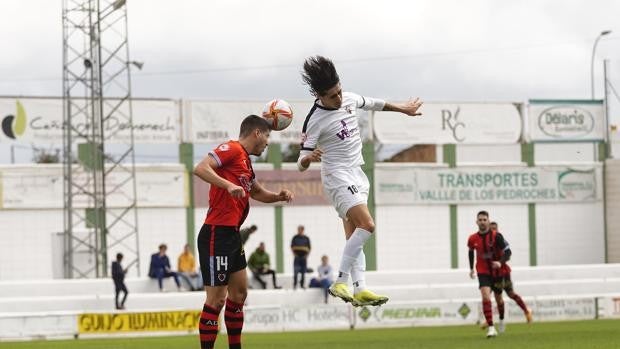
x=557 y=120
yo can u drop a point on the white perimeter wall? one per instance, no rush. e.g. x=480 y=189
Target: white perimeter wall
x=545 y=153
x=25 y=243
x=26 y=251
x=613 y=210
x=413 y=237
x=408 y=237
x=570 y=233
x=491 y=154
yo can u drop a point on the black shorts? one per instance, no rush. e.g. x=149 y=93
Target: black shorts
x=496 y=283
x=220 y=253
x=502 y=283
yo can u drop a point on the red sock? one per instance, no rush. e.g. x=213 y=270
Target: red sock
x=519 y=301
x=487 y=309
x=208 y=327
x=233 y=317
x=500 y=310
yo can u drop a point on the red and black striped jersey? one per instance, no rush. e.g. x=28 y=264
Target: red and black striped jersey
x=234 y=165
x=489 y=247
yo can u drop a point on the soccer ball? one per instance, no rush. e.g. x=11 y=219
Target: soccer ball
x=278 y=113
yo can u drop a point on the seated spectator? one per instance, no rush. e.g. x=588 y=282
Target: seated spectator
x=187 y=270
x=325 y=278
x=259 y=265
x=160 y=268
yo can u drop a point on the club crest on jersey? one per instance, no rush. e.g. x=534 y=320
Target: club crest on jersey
x=348 y=109
x=245 y=183
x=344 y=132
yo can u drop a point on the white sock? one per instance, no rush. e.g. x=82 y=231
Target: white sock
x=358 y=273
x=351 y=252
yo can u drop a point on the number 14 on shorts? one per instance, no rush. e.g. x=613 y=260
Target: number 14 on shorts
x=222 y=263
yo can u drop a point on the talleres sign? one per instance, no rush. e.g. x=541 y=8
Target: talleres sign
x=566 y=121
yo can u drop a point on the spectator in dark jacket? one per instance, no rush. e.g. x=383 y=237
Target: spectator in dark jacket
x=118 y=275
x=160 y=268
x=300 y=245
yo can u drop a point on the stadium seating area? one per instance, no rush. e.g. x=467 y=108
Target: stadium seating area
x=427 y=285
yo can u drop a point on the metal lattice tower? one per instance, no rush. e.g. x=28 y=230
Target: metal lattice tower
x=100 y=215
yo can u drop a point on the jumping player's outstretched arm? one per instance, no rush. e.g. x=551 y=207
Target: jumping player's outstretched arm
x=409 y=108
x=204 y=170
x=261 y=194
x=368 y=103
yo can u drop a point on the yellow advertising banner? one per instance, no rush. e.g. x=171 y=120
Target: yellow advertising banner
x=138 y=322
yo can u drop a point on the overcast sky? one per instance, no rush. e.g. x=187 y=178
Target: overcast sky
x=458 y=50
x=437 y=49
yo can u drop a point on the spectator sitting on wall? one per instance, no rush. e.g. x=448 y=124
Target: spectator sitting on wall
x=325 y=277
x=160 y=268
x=187 y=270
x=259 y=265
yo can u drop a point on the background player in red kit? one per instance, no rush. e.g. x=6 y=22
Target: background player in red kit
x=483 y=243
x=492 y=253
x=228 y=169
x=503 y=282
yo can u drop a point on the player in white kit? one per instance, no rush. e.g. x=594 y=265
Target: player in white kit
x=331 y=135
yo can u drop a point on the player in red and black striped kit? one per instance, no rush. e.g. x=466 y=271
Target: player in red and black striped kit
x=492 y=252
x=503 y=282
x=228 y=168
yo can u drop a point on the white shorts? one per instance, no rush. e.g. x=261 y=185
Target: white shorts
x=346 y=188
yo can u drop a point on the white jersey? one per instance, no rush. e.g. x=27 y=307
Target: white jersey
x=336 y=132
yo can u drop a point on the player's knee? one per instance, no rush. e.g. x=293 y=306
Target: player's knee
x=217 y=303
x=239 y=296
x=368 y=225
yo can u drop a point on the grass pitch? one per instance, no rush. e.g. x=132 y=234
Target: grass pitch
x=595 y=334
